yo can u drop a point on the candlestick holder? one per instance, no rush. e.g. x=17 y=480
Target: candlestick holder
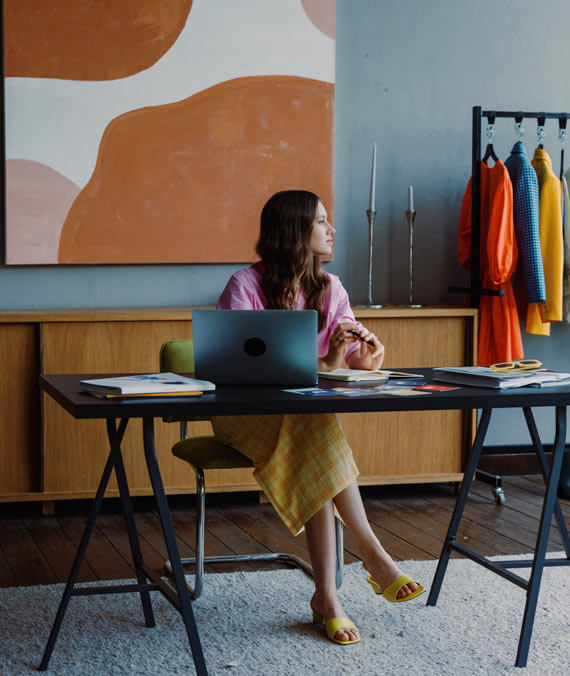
x=411 y=215
x=371 y=216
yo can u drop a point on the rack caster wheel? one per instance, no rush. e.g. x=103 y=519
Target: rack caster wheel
x=499 y=496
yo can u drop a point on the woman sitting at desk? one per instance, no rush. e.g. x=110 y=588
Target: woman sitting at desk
x=303 y=463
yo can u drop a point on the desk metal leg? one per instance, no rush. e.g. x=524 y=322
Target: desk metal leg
x=459 y=507
x=542 y=540
x=545 y=469
x=172 y=548
x=129 y=514
x=68 y=592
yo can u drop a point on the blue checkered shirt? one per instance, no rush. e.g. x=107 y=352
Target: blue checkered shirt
x=525 y=212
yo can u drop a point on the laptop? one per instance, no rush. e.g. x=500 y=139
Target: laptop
x=255 y=347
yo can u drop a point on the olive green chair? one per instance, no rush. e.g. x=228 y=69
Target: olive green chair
x=206 y=452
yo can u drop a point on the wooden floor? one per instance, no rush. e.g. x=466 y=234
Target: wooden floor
x=411 y=522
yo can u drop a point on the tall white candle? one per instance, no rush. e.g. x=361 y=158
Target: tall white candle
x=372 y=202
x=410 y=198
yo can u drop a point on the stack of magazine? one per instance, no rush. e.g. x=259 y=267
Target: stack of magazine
x=147 y=385
x=484 y=376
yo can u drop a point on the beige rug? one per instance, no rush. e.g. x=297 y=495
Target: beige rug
x=259 y=623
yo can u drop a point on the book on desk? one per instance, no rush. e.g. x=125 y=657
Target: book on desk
x=364 y=376
x=147 y=385
x=484 y=376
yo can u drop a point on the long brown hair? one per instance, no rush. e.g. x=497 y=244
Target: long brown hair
x=284 y=247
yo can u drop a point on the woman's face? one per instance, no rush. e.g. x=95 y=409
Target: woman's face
x=322 y=234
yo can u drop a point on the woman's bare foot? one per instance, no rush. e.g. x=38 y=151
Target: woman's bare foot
x=328 y=608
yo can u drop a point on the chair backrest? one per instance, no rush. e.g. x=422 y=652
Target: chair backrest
x=177 y=356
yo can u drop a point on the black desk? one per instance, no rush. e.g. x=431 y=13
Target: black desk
x=255 y=400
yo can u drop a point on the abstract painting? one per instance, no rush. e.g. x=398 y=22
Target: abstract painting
x=153 y=131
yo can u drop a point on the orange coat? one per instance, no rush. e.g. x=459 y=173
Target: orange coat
x=499 y=329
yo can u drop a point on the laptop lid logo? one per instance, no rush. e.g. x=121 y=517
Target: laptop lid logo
x=254 y=347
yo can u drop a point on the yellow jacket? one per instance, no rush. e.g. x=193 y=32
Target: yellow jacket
x=552 y=245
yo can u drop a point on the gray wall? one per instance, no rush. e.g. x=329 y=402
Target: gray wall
x=408 y=74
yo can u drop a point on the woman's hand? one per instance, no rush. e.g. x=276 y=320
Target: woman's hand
x=369 y=355
x=339 y=340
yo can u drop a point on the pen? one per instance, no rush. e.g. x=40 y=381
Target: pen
x=357 y=335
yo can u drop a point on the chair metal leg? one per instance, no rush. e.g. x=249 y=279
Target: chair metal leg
x=200 y=560
x=339 y=552
x=200 y=533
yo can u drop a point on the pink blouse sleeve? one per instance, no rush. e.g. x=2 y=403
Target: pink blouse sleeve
x=242 y=292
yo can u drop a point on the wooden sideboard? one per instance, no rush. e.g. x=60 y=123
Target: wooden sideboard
x=46 y=455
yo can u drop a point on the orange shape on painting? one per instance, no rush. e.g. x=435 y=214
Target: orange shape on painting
x=91 y=39
x=185 y=182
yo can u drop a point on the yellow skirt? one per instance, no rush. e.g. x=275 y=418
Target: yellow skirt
x=301 y=461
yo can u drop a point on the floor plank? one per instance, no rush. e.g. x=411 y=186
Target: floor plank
x=27 y=562
x=432 y=519
x=411 y=522
x=100 y=555
x=521 y=528
x=114 y=529
x=263 y=525
x=533 y=488
x=7 y=577
x=57 y=548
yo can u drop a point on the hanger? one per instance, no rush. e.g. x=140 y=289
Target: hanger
x=540 y=130
x=490 y=153
x=490 y=132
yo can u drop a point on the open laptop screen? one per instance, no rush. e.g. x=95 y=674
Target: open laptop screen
x=255 y=347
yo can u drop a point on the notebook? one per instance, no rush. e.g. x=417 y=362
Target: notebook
x=255 y=347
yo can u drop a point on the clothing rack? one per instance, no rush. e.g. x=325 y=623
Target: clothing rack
x=475 y=290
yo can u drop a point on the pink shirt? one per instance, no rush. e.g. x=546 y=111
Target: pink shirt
x=244 y=292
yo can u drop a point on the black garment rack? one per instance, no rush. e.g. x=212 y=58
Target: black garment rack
x=475 y=290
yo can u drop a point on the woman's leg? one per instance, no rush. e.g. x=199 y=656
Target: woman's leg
x=374 y=557
x=321 y=542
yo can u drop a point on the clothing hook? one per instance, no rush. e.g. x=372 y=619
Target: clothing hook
x=490 y=130
x=518 y=126
x=562 y=127
x=540 y=129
